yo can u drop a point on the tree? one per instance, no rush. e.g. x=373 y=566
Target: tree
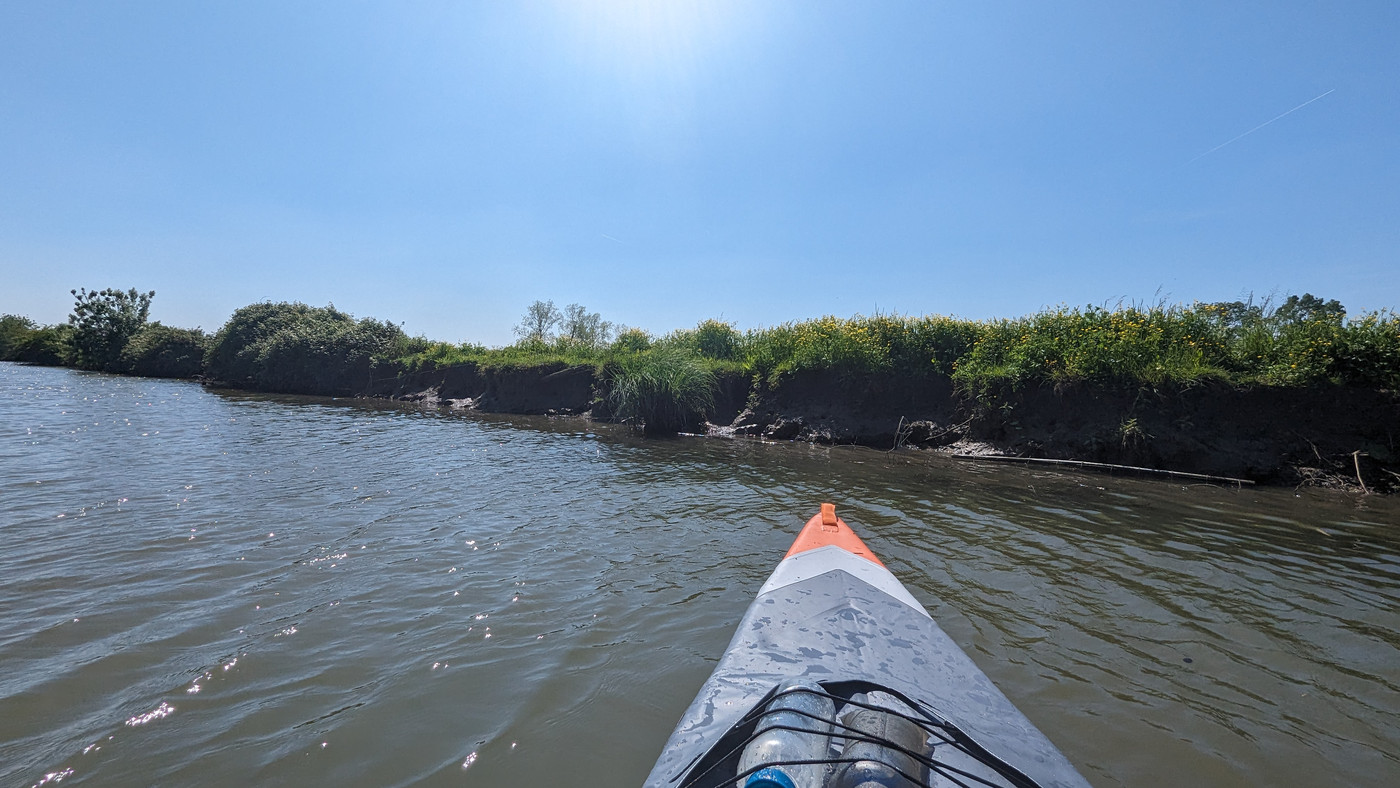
x=102 y=323
x=586 y=328
x=1234 y=314
x=1310 y=308
x=538 y=324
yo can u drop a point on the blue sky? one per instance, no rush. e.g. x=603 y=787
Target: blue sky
x=443 y=164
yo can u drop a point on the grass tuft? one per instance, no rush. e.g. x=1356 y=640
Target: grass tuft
x=663 y=390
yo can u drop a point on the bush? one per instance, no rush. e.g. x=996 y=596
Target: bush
x=440 y=354
x=1367 y=351
x=1095 y=344
x=527 y=353
x=631 y=340
x=664 y=390
x=883 y=344
x=924 y=345
x=164 y=352
x=15 y=330
x=300 y=349
x=50 y=346
x=712 y=339
x=326 y=357
x=234 y=350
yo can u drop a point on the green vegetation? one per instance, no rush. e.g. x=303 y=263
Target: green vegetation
x=1149 y=346
x=582 y=327
x=862 y=346
x=48 y=345
x=1305 y=341
x=664 y=383
x=631 y=340
x=103 y=322
x=159 y=351
x=525 y=353
x=712 y=339
x=22 y=340
x=302 y=349
x=15 y=330
x=663 y=390
x=577 y=326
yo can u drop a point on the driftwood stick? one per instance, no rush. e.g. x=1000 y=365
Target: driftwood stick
x=947 y=430
x=898 y=434
x=1356 y=460
x=1105 y=467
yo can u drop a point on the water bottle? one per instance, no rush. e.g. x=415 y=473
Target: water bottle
x=876 y=765
x=808 y=743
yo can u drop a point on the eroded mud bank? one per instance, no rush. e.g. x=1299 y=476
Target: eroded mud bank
x=1328 y=435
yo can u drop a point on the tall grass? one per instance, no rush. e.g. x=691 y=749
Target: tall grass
x=525 y=353
x=664 y=390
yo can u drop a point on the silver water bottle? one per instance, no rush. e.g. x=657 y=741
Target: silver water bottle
x=875 y=765
x=808 y=742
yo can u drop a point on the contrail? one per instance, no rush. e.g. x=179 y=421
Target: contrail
x=610 y=238
x=1261 y=125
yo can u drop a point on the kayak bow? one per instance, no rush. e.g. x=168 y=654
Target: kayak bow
x=835 y=654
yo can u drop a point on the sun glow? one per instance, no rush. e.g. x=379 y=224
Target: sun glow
x=646 y=65
x=675 y=38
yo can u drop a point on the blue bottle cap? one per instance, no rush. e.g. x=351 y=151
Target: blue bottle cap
x=769 y=778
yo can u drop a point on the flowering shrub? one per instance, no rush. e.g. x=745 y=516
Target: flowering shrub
x=889 y=344
x=1149 y=345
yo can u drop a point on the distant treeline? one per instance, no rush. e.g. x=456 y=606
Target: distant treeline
x=1303 y=340
x=274 y=347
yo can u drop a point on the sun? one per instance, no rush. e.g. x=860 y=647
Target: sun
x=674 y=37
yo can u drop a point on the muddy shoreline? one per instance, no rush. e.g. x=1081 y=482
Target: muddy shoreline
x=1331 y=436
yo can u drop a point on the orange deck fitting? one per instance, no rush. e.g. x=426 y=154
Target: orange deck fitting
x=828 y=529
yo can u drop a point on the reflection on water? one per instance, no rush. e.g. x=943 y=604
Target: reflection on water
x=217 y=587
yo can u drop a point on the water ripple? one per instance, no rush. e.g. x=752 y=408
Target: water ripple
x=211 y=586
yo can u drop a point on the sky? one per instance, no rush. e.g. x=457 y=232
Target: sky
x=443 y=164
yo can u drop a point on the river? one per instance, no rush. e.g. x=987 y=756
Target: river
x=218 y=588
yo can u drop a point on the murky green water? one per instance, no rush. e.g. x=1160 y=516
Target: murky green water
x=212 y=588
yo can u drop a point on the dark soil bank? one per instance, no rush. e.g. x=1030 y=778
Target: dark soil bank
x=1288 y=436
x=552 y=389
x=1332 y=435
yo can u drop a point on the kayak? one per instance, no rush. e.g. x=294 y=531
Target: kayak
x=838 y=678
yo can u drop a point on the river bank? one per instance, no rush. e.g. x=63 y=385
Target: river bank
x=1333 y=436
x=1338 y=437
x=1288 y=395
